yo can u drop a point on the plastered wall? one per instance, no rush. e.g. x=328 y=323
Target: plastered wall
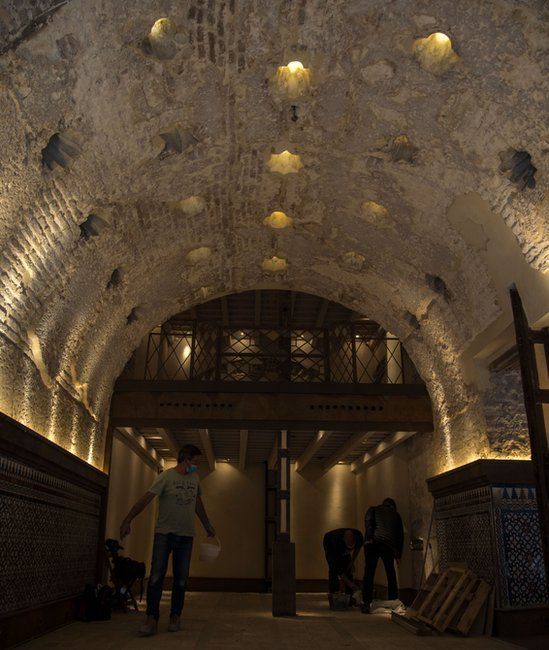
x=389 y=477
x=234 y=501
x=319 y=506
x=130 y=478
x=235 y=504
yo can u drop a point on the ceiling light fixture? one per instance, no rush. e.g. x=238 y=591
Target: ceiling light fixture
x=293 y=80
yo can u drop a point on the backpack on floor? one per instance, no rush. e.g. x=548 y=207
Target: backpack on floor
x=96 y=603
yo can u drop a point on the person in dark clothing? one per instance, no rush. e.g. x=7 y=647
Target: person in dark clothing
x=341 y=547
x=384 y=539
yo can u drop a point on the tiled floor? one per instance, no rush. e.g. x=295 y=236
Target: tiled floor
x=244 y=622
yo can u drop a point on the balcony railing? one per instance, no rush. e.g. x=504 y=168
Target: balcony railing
x=350 y=353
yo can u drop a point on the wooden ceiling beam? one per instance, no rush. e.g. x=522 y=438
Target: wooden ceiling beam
x=169 y=440
x=207 y=447
x=311 y=450
x=148 y=455
x=347 y=448
x=395 y=412
x=380 y=450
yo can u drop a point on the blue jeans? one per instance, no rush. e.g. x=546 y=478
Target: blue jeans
x=181 y=547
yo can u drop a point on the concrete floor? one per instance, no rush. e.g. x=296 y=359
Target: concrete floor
x=237 y=621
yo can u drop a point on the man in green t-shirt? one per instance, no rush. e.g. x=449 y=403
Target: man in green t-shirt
x=179 y=498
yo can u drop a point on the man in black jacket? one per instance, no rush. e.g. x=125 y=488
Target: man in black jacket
x=384 y=539
x=341 y=547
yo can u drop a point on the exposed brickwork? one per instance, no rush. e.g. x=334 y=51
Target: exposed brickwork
x=87 y=75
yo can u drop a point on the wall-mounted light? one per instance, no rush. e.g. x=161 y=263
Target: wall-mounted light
x=285 y=163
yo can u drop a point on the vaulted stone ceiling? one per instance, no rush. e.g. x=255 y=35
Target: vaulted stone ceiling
x=137 y=176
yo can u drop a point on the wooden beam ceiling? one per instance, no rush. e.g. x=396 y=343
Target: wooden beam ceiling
x=390 y=410
x=312 y=449
x=207 y=447
x=380 y=450
x=169 y=440
x=347 y=448
x=146 y=453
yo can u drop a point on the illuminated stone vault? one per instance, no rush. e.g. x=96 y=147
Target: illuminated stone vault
x=105 y=135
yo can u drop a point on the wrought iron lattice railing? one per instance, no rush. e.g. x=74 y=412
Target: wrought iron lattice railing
x=350 y=353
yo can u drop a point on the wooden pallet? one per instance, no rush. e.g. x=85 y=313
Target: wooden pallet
x=438 y=600
x=412 y=624
x=422 y=595
x=449 y=601
x=471 y=606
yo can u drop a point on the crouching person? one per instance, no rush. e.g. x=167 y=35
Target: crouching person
x=341 y=547
x=179 y=498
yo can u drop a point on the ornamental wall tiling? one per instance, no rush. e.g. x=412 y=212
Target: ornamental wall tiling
x=48 y=535
x=495 y=531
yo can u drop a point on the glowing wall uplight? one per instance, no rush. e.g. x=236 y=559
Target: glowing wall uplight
x=285 y=163
x=435 y=53
x=293 y=80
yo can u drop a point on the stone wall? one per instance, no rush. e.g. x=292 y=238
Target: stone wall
x=506 y=423
x=138 y=175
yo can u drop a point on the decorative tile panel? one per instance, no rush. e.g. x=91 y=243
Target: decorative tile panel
x=464 y=531
x=49 y=530
x=495 y=531
x=522 y=573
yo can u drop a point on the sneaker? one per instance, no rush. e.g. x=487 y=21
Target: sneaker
x=175 y=623
x=365 y=609
x=150 y=627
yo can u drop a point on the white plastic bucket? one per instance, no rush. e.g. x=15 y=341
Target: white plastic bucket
x=210 y=552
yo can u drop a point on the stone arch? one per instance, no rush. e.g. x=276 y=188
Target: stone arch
x=222 y=128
